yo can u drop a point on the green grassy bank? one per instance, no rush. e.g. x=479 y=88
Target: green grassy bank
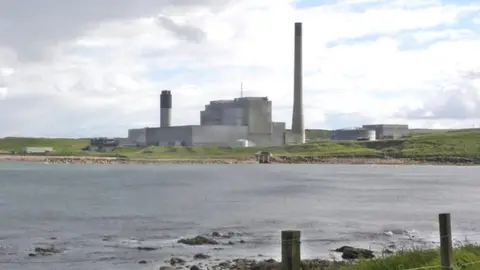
x=466 y=257
x=464 y=143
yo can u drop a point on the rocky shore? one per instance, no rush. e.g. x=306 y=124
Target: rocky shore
x=115 y=160
x=431 y=160
x=435 y=160
x=206 y=259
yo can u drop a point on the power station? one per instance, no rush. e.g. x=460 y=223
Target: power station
x=244 y=120
x=248 y=120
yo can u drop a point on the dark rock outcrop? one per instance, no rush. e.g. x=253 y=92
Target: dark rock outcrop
x=146 y=248
x=271 y=264
x=352 y=253
x=46 y=251
x=176 y=261
x=198 y=240
x=225 y=235
x=106 y=238
x=167 y=268
x=201 y=256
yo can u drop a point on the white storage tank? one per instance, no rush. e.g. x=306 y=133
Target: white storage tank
x=243 y=143
x=372 y=135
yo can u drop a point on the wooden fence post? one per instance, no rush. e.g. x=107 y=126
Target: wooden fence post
x=290 y=250
x=446 y=257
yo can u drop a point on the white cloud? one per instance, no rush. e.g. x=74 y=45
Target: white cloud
x=102 y=73
x=454 y=34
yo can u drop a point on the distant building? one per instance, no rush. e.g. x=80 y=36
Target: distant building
x=37 y=150
x=104 y=142
x=389 y=131
x=371 y=132
x=222 y=123
x=137 y=136
x=253 y=112
x=350 y=134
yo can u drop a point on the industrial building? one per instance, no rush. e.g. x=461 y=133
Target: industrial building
x=371 y=132
x=350 y=134
x=248 y=120
x=241 y=121
x=37 y=150
x=388 y=131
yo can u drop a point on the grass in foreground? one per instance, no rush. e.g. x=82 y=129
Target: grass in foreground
x=465 y=143
x=465 y=257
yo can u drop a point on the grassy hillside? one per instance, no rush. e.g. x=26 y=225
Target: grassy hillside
x=318 y=134
x=441 y=142
x=60 y=145
x=466 y=257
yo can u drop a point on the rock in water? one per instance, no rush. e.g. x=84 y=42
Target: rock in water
x=146 y=248
x=201 y=256
x=197 y=240
x=46 y=251
x=167 y=268
x=351 y=253
x=175 y=261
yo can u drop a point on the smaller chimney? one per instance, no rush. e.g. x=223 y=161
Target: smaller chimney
x=165 y=108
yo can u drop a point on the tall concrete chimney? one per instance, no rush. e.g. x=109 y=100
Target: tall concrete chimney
x=165 y=108
x=298 y=129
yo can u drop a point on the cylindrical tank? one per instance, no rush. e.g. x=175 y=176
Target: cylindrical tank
x=243 y=143
x=165 y=108
x=372 y=135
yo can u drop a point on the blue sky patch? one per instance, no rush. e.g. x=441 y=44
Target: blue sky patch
x=313 y=3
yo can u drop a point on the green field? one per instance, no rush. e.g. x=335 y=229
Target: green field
x=464 y=143
x=466 y=257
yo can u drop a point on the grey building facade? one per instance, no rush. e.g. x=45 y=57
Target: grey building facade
x=137 y=136
x=196 y=135
x=350 y=134
x=222 y=123
x=218 y=135
x=254 y=112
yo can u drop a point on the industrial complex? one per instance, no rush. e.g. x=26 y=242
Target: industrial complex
x=247 y=121
x=371 y=132
x=242 y=121
x=239 y=122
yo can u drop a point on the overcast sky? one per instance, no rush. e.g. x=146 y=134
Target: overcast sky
x=97 y=67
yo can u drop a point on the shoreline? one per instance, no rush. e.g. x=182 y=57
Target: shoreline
x=203 y=249
x=435 y=160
